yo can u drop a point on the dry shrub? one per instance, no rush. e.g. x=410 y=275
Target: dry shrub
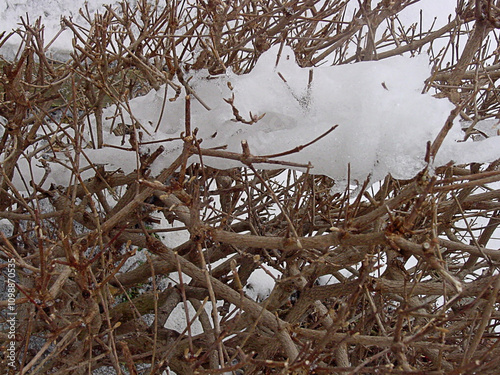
x=413 y=276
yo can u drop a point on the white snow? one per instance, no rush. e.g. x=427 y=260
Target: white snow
x=434 y=13
x=384 y=121
x=260 y=283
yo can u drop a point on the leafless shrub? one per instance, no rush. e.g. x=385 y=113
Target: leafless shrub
x=80 y=309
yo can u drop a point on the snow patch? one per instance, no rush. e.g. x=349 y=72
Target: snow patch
x=384 y=121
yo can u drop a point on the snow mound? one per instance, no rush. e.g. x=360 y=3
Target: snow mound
x=384 y=121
